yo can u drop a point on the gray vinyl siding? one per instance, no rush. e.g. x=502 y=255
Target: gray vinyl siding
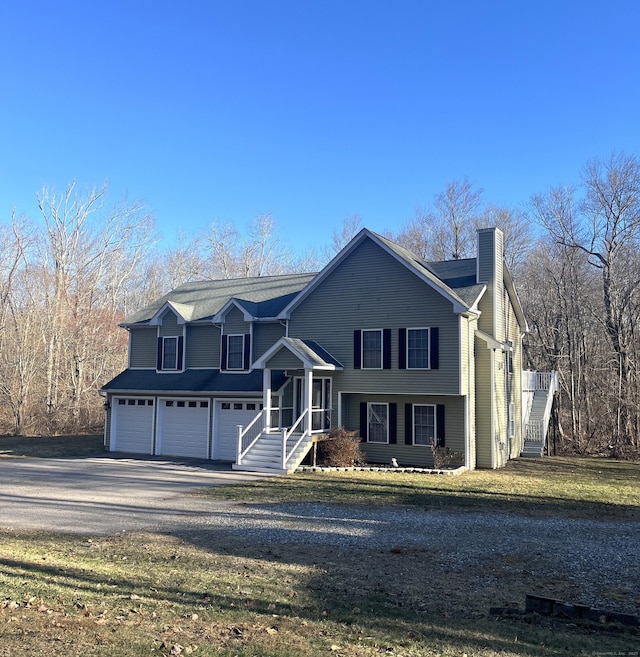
x=234 y=323
x=490 y=264
x=143 y=347
x=372 y=290
x=203 y=346
x=265 y=335
x=408 y=455
x=284 y=360
x=170 y=326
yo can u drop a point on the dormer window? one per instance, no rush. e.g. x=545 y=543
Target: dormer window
x=236 y=352
x=170 y=353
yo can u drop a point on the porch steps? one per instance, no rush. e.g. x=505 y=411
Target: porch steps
x=265 y=455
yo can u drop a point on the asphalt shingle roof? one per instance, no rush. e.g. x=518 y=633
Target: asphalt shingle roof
x=209 y=380
x=263 y=296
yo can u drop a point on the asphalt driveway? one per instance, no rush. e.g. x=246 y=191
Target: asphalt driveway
x=104 y=495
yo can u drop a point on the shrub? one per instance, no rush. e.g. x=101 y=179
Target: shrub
x=341 y=449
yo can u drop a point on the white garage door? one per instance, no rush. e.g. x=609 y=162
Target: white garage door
x=229 y=414
x=132 y=425
x=183 y=428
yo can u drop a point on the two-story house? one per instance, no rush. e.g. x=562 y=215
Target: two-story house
x=407 y=352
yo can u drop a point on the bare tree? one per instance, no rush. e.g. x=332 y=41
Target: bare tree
x=606 y=230
x=87 y=255
x=256 y=252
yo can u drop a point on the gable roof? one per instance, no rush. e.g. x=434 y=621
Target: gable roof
x=263 y=296
x=312 y=355
x=410 y=260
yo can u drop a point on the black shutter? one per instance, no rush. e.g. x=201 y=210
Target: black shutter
x=357 y=350
x=434 y=360
x=393 y=424
x=247 y=351
x=440 y=424
x=408 y=424
x=402 y=348
x=386 y=349
x=223 y=354
x=364 y=421
x=159 y=359
x=180 y=349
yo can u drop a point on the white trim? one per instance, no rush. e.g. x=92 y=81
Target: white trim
x=377 y=442
x=226 y=365
x=180 y=310
x=406 y=355
x=413 y=424
x=162 y=366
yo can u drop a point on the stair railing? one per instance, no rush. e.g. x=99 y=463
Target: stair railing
x=250 y=435
x=287 y=434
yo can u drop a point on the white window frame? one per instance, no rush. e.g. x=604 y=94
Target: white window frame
x=435 y=425
x=380 y=353
x=164 y=366
x=408 y=359
x=235 y=335
x=370 y=413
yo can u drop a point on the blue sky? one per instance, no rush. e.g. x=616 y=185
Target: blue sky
x=312 y=111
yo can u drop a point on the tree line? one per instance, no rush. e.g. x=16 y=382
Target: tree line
x=69 y=275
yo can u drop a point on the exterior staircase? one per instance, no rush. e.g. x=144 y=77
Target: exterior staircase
x=265 y=455
x=279 y=451
x=538 y=390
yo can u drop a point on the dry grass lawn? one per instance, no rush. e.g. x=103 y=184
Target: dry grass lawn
x=205 y=594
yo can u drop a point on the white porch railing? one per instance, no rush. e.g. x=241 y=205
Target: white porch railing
x=287 y=434
x=535 y=428
x=248 y=436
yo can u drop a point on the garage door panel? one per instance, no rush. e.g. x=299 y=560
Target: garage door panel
x=133 y=426
x=230 y=414
x=184 y=428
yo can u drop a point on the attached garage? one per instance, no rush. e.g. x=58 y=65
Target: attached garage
x=230 y=414
x=132 y=425
x=183 y=428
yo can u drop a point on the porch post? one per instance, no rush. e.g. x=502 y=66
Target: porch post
x=308 y=397
x=266 y=398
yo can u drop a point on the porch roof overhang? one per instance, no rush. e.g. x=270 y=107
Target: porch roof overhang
x=309 y=352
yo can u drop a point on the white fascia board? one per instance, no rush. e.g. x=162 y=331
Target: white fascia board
x=492 y=343
x=515 y=299
x=175 y=308
x=218 y=318
x=283 y=343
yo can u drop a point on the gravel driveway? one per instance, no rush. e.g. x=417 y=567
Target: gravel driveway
x=596 y=562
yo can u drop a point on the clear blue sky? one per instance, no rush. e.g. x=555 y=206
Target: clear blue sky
x=310 y=110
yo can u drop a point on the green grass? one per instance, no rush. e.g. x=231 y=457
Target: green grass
x=50 y=447
x=208 y=593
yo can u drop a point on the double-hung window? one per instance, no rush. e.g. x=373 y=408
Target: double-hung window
x=169 y=353
x=378 y=423
x=372 y=349
x=235 y=352
x=418 y=348
x=424 y=424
